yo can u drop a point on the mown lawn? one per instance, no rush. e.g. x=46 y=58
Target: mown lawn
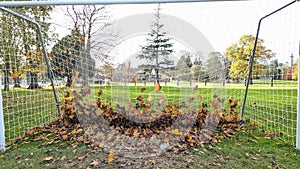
x=274 y=108
x=24 y=109
x=247 y=149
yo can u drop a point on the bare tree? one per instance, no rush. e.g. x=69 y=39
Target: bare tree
x=93 y=22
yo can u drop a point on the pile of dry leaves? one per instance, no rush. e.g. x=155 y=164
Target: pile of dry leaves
x=88 y=120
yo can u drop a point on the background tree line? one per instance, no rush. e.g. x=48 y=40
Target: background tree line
x=21 y=55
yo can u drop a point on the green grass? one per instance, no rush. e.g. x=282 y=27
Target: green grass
x=26 y=108
x=275 y=107
x=247 y=149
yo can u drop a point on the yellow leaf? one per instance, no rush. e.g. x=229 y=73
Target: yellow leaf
x=15 y=74
x=177 y=132
x=239 y=104
x=79 y=131
x=76 y=74
x=189 y=137
x=48 y=159
x=268 y=132
x=150 y=98
x=64 y=98
x=73 y=84
x=63 y=158
x=111 y=156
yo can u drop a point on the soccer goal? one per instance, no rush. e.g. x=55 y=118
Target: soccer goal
x=143 y=71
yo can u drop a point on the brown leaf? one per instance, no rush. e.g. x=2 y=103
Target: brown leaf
x=135 y=79
x=18 y=157
x=100 y=92
x=140 y=98
x=196 y=87
x=157 y=87
x=191 y=100
x=143 y=89
x=238 y=144
x=199 y=96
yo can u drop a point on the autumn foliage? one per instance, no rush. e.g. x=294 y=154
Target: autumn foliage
x=88 y=120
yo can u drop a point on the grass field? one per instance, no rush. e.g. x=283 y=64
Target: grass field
x=248 y=149
x=26 y=108
x=274 y=108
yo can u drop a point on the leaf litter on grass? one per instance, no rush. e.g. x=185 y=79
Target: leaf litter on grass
x=134 y=130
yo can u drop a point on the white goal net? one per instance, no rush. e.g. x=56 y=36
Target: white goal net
x=137 y=63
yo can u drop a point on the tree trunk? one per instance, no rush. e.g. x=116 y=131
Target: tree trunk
x=6 y=80
x=17 y=82
x=84 y=69
x=34 y=81
x=157 y=76
x=69 y=80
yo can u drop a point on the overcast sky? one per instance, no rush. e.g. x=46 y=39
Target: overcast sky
x=222 y=23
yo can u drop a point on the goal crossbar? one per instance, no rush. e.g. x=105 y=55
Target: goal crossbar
x=97 y=2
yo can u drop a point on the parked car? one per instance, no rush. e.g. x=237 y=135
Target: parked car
x=99 y=79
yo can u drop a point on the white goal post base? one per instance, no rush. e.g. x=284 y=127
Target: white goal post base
x=2 y=128
x=298 y=106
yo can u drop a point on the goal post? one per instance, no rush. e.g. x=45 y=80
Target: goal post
x=42 y=43
x=2 y=128
x=272 y=102
x=98 y=2
x=298 y=107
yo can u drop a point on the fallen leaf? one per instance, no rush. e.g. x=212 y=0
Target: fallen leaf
x=238 y=144
x=135 y=79
x=268 y=132
x=63 y=158
x=191 y=100
x=150 y=98
x=18 y=157
x=48 y=159
x=157 y=87
x=196 y=87
x=140 y=98
x=111 y=156
x=143 y=89
x=239 y=104
x=94 y=163
x=199 y=96
x=76 y=74
x=177 y=132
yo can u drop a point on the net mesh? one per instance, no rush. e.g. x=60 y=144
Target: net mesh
x=96 y=48
x=272 y=100
x=23 y=68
